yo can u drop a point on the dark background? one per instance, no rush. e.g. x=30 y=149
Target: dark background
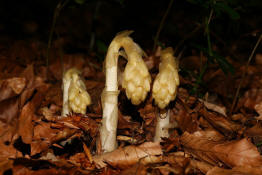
x=102 y=19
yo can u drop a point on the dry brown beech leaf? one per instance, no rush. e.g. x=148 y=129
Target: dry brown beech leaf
x=251 y=98
x=200 y=165
x=214 y=107
x=9 y=110
x=186 y=120
x=8 y=151
x=239 y=170
x=6 y=165
x=200 y=143
x=25 y=126
x=11 y=87
x=238 y=153
x=79 y=121
x=258 y=108
x=128 y=156
x=42 y=139
x=221 y=123
x=209 y=146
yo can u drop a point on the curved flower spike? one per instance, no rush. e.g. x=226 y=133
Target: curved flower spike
x=75 y=96
x=165 y=89
x=136 y=81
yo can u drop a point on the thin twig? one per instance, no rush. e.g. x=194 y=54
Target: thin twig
x=162 y=24
x=244 y=75
x=59 y=6
x=210 y=52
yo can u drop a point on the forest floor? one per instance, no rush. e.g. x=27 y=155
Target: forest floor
x=204 y=139
x=208 y=132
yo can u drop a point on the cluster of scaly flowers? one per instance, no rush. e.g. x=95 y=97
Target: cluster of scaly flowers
x=77 y=96
x=167 y=80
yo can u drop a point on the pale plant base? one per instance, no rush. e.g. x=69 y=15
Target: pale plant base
x=109 y=121
x=66 y=85
x=162 y=126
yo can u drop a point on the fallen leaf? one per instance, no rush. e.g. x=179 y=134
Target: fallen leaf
x=28 y=73
x=214 y=107
x=200 y=165
x=209 y=146
x=8 y=151
x=5 y=165
x=250 y=98
x=238 y=153
x=200 y=144
x=220 y=123
x=127 y=156
x=135 y=169
x=9 y=110
x=11 y=87
x=80 y=121
x=245 y=170
x=186 y=120
x=258 y=108
x=25 y=126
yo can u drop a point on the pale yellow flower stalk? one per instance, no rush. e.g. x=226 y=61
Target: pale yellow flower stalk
x=136 y=82
x=164 y=90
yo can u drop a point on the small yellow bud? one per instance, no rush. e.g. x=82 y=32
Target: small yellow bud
x=78 y=98
x=167 y=80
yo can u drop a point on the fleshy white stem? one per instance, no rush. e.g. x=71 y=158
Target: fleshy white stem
x=162 y=125
x=136 y=90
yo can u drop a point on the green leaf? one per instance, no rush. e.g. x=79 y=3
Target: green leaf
x=220 y=60
x=101 y=46
x=224 y=64
x=80 y=1
x=227 y=9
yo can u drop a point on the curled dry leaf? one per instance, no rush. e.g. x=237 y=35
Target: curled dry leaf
x=148 y=112
x=200 y=144
x=28 y=112
x=25 y=126
x=184 y=96
x=8 y=151
x=251 y=98
x=42 y=139
x=136 y=169
x=28 y=74
x=238 y=153
x=214 y=107
x=128 y=156
x=9 y=110
x=209 y=146
x=79 y=121
x=11 y=87
x=258 y=108
x=179 y=161
x=255 y=133
x=186 y=120
x=199 y=165
x=6 y=165
x=245 y=170
x=220 y=122
x=8 y=132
